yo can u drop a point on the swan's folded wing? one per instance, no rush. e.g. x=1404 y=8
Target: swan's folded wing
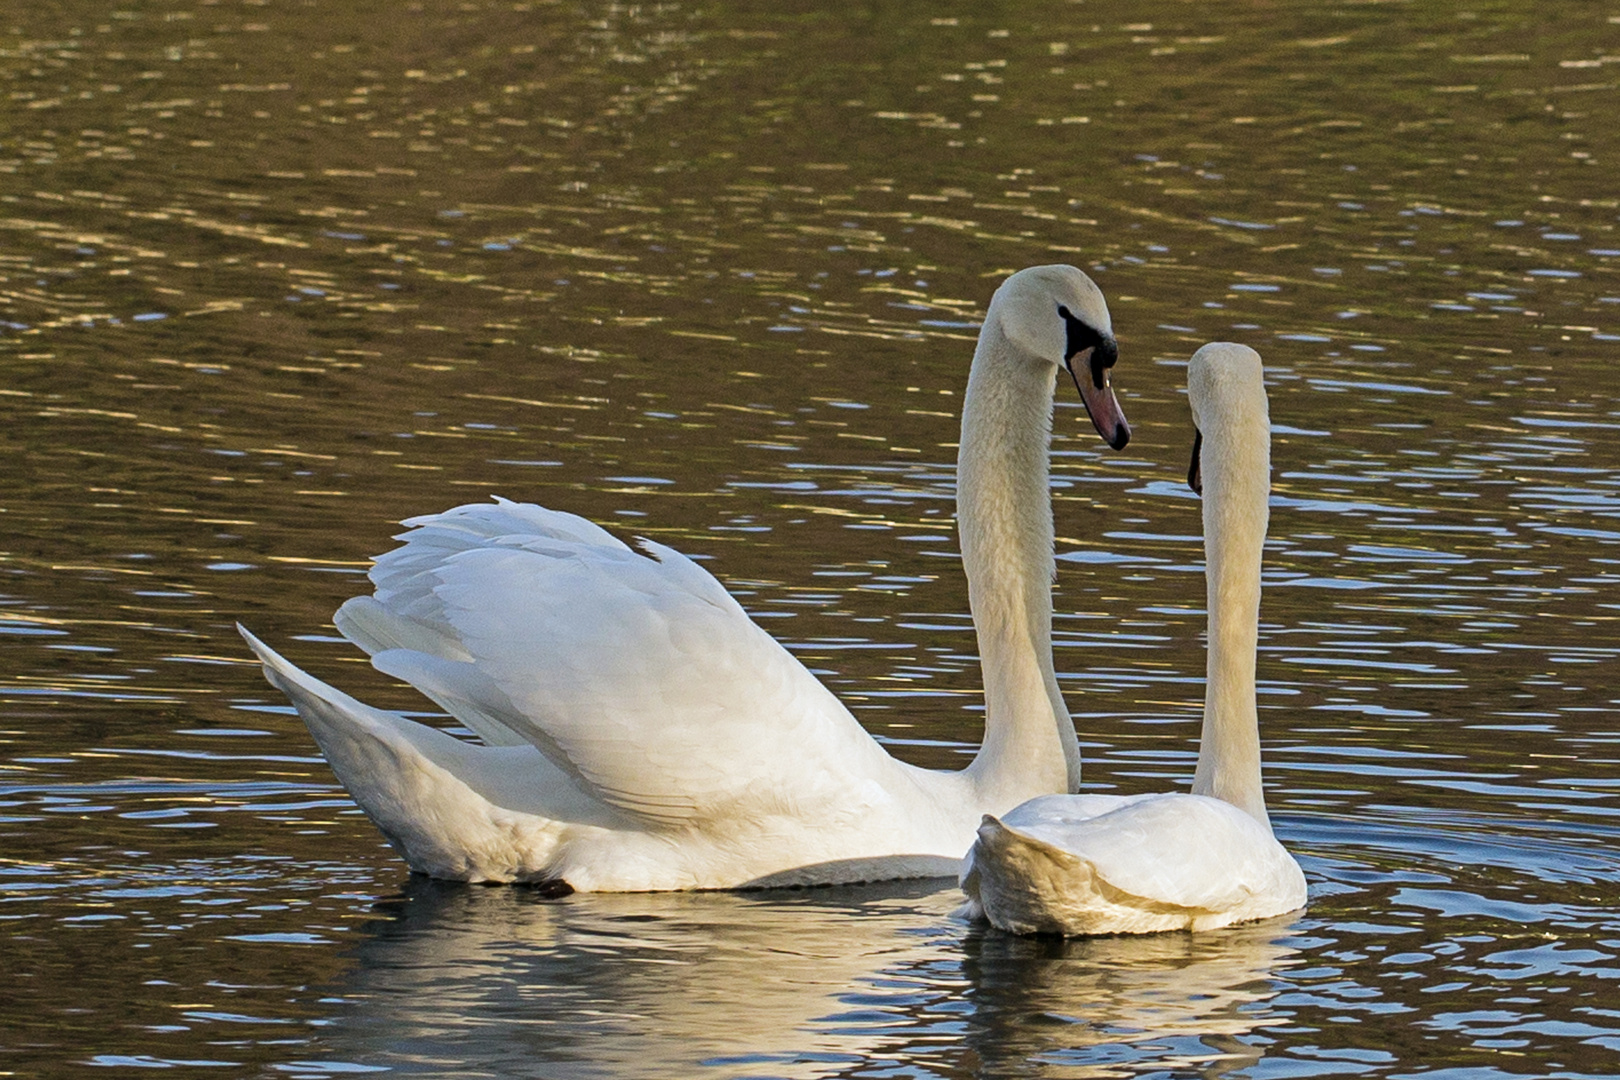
x=1186 y=851
x=638 y=674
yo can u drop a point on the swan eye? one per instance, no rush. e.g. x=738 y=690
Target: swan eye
x=1080 y=336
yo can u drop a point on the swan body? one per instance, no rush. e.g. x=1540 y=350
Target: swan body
x=1108 y=864
x=639 y=732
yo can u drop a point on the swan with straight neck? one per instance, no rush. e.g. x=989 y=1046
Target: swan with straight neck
x=639 y=732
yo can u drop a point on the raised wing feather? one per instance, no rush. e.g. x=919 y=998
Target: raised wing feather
x=638 y=674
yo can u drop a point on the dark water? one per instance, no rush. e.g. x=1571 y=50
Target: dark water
x=274 y=275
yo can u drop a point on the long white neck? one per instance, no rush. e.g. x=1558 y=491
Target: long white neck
x=1004 y=524
x=1236 y=467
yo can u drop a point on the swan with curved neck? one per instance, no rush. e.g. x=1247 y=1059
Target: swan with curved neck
x=1109 y=864
x=639 y=732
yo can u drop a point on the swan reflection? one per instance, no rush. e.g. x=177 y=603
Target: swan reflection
x=1169 y=998
x=821 y=982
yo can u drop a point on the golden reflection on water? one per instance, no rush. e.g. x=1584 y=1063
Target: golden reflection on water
x=274 y=277
x=805 y=983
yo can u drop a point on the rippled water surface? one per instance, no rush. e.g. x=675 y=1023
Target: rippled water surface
x=276 y=274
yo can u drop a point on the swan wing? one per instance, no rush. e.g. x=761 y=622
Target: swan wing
x=634 y=672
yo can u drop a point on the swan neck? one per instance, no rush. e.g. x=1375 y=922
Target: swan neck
x=1236 y=469
x=1004 y=524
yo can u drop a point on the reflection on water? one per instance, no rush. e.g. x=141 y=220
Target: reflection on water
x=276 y=276
x=803 y=984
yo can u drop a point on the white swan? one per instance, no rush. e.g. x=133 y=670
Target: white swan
x=1109 y=864
x=642 y=733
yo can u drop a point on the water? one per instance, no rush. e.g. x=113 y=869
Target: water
x=276 y=275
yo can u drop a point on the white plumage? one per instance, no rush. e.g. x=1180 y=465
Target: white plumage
x=641 y=732
x=1107 y=864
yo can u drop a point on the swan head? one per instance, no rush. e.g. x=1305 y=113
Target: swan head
x=1226 y=388
x=1056 y=316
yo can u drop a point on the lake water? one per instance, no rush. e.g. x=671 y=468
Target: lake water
x=277 y=274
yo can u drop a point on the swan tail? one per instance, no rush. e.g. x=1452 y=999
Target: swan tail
x=412 y=781
x=1025 y=885
x=1123 y=872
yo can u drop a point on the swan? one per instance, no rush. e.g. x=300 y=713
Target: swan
x=1110 y=864
x=640 y=732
